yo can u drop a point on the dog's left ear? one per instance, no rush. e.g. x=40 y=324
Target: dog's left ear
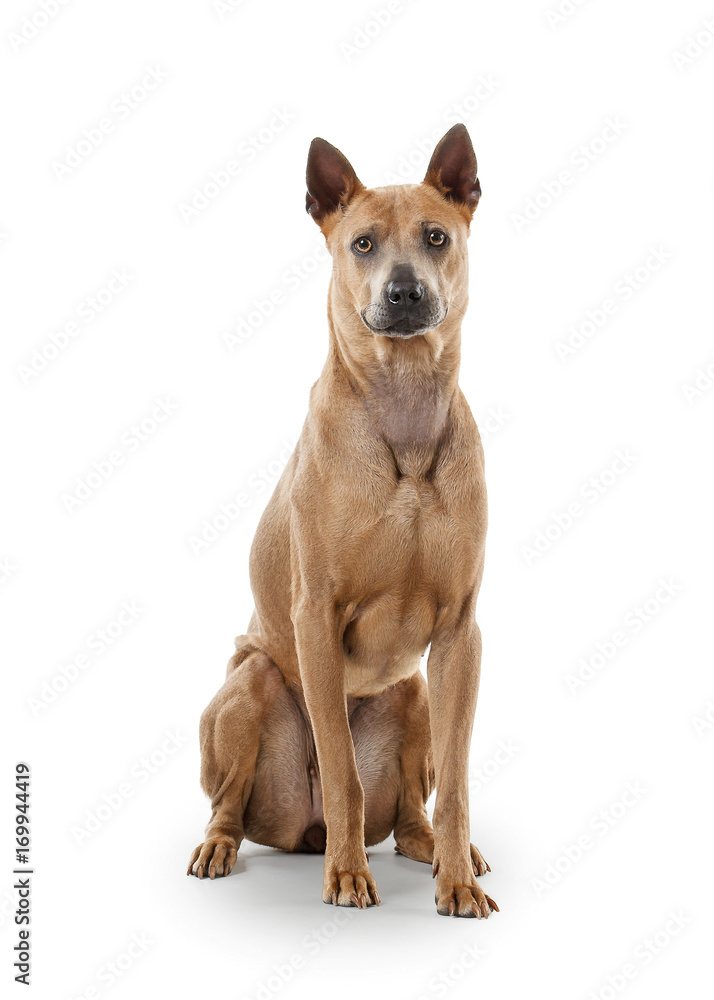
x=331 y=181
x=453 y=170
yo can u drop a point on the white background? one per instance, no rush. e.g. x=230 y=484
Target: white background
x=544 y=88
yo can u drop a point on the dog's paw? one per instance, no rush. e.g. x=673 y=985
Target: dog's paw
x=354 y=887
x=481 y=866
x=214 y=857
x=418 y=844
x=462 y=899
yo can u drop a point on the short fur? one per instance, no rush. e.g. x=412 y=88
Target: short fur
x=324 y=735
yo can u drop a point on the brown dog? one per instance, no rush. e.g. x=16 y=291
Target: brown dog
x=324 y=736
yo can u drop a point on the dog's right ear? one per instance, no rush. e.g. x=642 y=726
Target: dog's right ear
x=331 y=181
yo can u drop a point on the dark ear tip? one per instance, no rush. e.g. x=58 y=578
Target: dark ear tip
x=461 y=133
x=453 y=169
x=319 y=144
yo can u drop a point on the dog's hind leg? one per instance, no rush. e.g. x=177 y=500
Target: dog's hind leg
x=413 y=832
x=230 y=742
x=392 y=745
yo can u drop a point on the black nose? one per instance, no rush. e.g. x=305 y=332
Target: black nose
x=404 y=292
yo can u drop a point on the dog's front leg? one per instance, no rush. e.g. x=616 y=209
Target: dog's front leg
x=454 y=670
x=318 y=631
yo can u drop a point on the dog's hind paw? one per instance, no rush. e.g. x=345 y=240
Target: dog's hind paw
x=214 y=857
x=481 y=866
x=416 y=844
x=419 y=846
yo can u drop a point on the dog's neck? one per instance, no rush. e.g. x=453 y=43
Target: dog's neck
x=405 y=385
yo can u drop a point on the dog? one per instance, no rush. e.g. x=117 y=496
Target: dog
x=325 y=735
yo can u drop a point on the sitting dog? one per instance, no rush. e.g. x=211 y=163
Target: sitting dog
x=325 y=736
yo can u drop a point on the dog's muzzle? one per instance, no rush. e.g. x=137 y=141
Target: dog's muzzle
x=405 y=309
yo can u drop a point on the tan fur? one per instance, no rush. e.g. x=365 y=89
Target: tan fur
x=370 y=549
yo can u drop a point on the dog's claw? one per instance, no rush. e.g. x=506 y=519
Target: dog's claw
x=214 y=858
x=463 y=899
x=346 y=885
x=479 y=863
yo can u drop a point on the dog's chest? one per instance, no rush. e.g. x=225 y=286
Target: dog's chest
x=423 y=542
x=417 y=556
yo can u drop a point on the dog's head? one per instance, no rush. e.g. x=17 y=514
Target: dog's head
x=399 y=252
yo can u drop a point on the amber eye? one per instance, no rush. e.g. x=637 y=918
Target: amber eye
x=363 y=245
x=437 y=238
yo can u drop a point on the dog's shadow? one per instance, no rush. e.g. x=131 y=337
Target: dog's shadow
x=295 y=880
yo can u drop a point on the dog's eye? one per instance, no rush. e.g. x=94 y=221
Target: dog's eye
x=363 y=245
x=437 y=238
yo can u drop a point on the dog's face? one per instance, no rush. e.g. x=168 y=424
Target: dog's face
x=399 y=253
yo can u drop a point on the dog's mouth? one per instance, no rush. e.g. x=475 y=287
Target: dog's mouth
x=403 y=328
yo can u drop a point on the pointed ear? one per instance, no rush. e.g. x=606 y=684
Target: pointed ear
x=331 y=181
x=452 y=169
